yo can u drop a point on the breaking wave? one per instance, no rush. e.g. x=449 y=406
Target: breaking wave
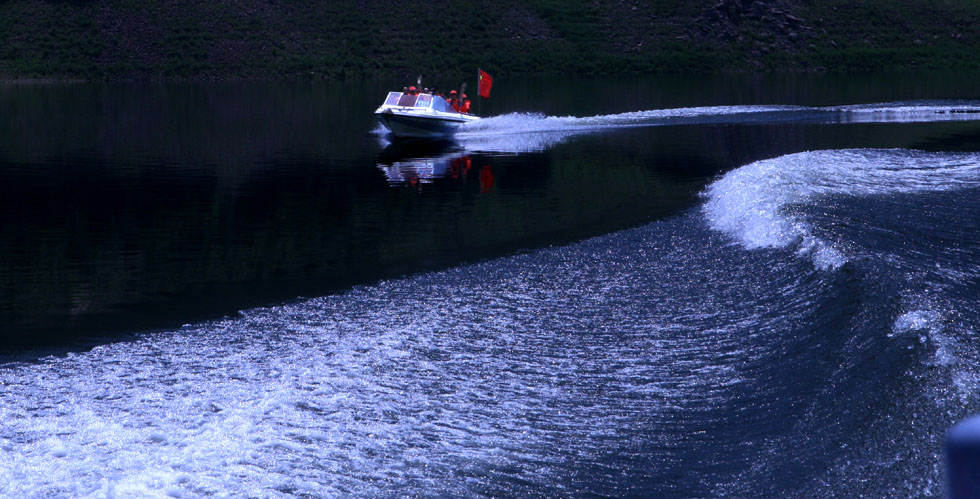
x=753 y=203
x=903 y=309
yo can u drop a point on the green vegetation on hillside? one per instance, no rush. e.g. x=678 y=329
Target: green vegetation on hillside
x=116 y=39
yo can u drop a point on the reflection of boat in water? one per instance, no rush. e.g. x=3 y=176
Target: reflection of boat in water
x=420 y=170
x=415 y=163
x=420 y=115
x=401 y=150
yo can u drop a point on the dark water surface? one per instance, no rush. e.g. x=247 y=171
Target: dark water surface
x=677 y=286
x=131 y=206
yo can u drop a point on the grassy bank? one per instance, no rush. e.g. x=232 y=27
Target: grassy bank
x=123 y=39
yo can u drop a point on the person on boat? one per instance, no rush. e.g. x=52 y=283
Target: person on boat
x=412 y=90
x=454 y=100
x=464 y=107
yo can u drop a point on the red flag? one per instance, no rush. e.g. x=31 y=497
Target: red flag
x=485 y=83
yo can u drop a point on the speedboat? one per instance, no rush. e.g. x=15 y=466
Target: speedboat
x=420 y=115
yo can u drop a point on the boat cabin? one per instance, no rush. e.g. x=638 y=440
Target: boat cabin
x=421 y=101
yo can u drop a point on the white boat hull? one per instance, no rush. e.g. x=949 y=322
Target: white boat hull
x=420 y=116
x=403 y=124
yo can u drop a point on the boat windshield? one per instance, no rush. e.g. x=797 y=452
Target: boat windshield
x=407 y=100
x=440 y=104
x=392 y=99
x=418 y=100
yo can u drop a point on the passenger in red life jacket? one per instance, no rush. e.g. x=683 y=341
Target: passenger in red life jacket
x=412 y=90
x=465 y=106
x=453 y=100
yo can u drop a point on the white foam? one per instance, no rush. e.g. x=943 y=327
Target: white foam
x=908 y=112
x=528 y=132
x=517 y=123
x=930 y=327
x=914 y=321
x=525 y=123
x=752 y=203
x=400 y=388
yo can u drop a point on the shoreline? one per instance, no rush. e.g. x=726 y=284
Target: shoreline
x=249 y=39
x=28 y=80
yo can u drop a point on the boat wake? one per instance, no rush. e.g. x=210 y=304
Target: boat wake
x=827 y=205
x=754 y=204
x=534 y=132
x=591 y=368
x=899 y=224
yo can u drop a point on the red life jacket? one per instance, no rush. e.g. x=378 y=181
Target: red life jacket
x=465 y=108
x=455 y=104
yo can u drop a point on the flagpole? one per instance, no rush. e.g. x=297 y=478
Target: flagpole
x=479 y=105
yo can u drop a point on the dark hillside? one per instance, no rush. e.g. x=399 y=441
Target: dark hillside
x=258 y=38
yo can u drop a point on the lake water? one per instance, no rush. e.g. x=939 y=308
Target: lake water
x=673 y=286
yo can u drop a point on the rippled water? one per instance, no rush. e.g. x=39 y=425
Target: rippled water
x=803 y=324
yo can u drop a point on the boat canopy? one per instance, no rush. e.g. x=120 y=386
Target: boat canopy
x=424 y=101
